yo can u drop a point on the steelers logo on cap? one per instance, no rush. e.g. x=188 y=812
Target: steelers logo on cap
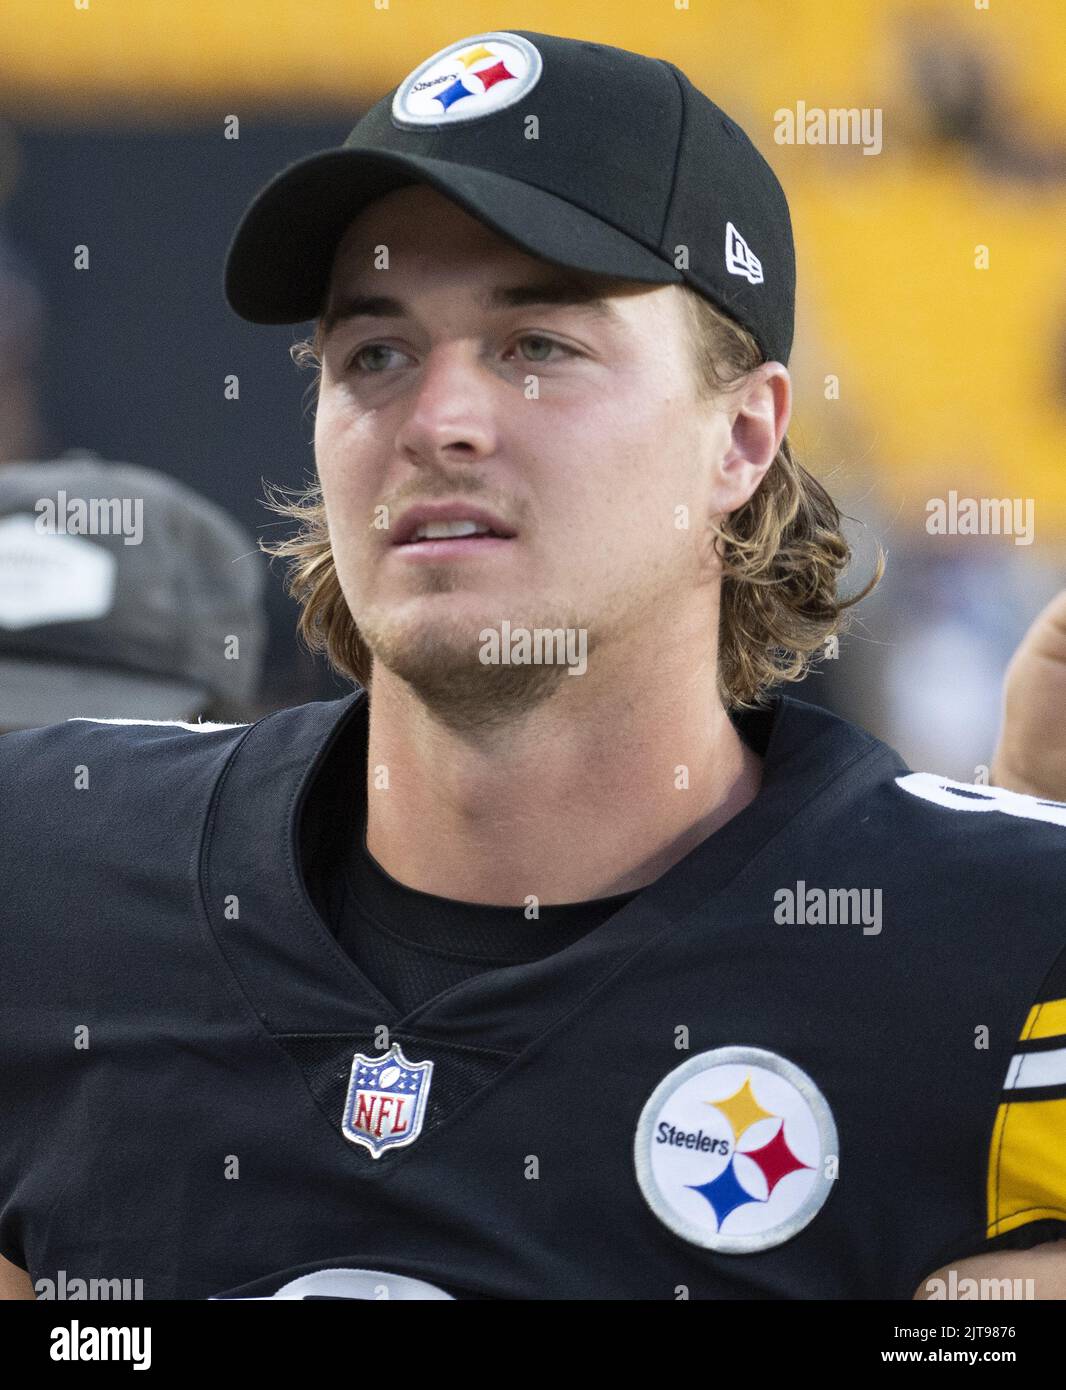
x=467 y=80
x=736 y=1150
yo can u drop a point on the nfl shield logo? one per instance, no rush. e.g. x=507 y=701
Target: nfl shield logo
x=386 y=1100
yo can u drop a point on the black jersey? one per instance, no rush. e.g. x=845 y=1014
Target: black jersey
x=822 y=1055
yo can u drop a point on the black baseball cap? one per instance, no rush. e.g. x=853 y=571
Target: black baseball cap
x=588 y=156
x=123 y=594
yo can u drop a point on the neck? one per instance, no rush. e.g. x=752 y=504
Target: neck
x=590 y=794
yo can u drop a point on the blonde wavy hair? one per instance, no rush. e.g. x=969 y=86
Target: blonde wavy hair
x=782 y=552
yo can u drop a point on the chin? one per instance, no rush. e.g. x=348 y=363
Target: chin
x=417 y=645
x=441 y=662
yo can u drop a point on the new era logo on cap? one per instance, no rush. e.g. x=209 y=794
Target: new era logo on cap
x=740 y=259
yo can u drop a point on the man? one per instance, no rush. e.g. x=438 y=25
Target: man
x=601 y=989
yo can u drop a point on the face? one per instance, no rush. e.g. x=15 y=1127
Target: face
x=465 y=376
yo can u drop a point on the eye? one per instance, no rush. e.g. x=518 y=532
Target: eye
x=544 y=342
x=352 y=363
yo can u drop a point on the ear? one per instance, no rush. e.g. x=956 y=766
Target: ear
x=759 y=410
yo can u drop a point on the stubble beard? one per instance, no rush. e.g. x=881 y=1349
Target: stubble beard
x=441 y=663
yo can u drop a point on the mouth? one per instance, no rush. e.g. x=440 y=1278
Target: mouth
x=424 y=538
x=452 y=547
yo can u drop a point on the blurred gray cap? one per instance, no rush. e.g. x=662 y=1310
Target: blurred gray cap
x=123 y=595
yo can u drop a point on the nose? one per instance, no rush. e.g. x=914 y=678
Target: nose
x=452 y=409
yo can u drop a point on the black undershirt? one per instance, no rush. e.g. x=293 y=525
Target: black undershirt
x=413 y=946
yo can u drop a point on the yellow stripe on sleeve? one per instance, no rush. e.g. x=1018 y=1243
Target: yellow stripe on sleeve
x=1046 y=1020
x=1027 y=1164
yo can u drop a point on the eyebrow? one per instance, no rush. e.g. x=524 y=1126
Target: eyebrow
x=555 y=292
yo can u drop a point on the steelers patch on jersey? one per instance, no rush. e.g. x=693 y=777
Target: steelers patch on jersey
x=386 y=1101
x=469 y=79
x=736 y=1150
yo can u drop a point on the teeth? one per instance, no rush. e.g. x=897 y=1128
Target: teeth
x=443 y=530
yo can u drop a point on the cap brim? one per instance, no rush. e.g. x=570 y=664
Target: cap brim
x=34 y=693
x=279 y=263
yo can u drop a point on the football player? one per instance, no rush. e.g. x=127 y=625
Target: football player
x=566 y=957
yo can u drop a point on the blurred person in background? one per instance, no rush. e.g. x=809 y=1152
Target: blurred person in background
x=962 y=101
x=21 y=324
x=123 y=595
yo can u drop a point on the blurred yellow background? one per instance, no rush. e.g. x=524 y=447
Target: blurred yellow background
x=945 y=371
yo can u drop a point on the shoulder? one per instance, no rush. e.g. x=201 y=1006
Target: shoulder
x=123 y=760
x=856 y=807
x=865 y=766
x=106 y=824
x=981 y=798
x=18 y=747
x=119 y=733
x=992 y=823
x=126 y=783
x=94 y=804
